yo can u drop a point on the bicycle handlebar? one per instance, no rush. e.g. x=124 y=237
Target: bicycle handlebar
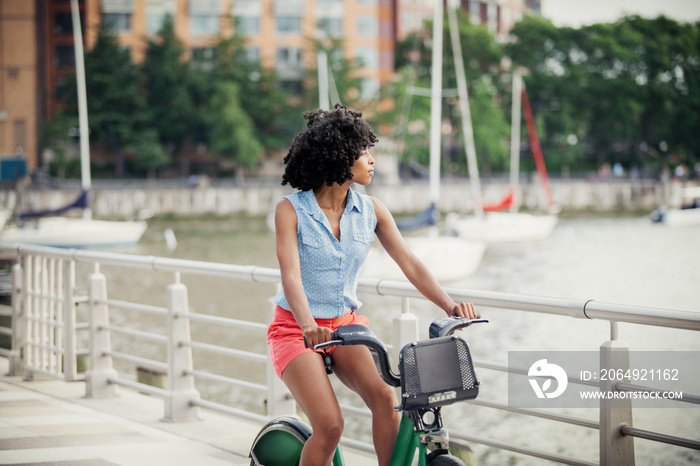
x=349 y=335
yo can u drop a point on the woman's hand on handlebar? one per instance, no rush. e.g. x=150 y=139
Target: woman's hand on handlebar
x=463 y=310
x=316 y=335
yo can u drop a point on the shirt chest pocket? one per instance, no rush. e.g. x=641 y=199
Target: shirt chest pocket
x=365 y=237
x=316 y=253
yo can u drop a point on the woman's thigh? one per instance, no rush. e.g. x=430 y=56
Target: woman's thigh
x=306 y=378
x=355 y=367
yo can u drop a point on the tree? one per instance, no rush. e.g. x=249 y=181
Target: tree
x=231 y=129
x=166 y=84
x=119 y=118
x=266 y=104
x=627 y=89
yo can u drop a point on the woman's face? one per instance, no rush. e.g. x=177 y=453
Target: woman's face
x=363 y=169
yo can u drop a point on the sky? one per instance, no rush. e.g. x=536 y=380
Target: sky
x=576 y=13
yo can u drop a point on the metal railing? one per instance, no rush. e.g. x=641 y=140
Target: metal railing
x=45 y=329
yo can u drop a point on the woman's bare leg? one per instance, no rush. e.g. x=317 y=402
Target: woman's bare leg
x=306 y=378
x=355 y=367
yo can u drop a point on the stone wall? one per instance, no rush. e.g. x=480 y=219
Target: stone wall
x=570 y=195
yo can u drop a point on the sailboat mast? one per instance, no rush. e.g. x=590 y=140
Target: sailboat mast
x=436 y=104
x=515 y=139
x=322 y=64
x=467 y=128
x=86 y=181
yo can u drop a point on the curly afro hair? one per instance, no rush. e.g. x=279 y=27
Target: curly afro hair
x=327 y=149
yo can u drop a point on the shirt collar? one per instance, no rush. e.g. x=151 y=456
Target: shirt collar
x=310 y=204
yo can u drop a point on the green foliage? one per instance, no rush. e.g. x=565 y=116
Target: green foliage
x=149 y=151
x=231 y=129
x=626 y=90
x=165 y=76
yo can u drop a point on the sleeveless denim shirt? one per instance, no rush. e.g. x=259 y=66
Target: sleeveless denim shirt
x=330 y=267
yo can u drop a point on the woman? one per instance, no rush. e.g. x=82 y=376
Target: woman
x=324 y=233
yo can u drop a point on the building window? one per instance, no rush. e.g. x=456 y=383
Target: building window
x=156 y=10
x=333 y=27
x=253 y=53
x=370 y=88
x=249 y=25
x=294 y=88
x=289 y=57
x=65 y=57
x=475 y=12
x=367 y=26
x=204 y=25
x=289 y=25
x=20 y=136
x=368 y=56
x=118 y=22
x=63 y=23
x=154 y=23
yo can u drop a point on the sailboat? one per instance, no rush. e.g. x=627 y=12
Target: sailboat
x=37 y=228
x=495 y=226
x=449 y=258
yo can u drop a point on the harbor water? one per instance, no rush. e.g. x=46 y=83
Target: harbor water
x=616 y=259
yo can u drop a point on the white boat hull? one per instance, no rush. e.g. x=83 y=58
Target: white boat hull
x=448 y=258
x=502 y=227
x=681 y=217
x=75 y=233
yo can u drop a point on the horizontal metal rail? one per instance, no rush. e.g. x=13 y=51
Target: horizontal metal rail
x=497 y=366
x=50 y=297
x=537 y=413
x=520 y=449
x=135 y=333
x=44 y=346
x=226 y=351
x=145 y=362
x=231 y=381
x=229 y=410
x=127 y=305
x=41 y=320
x=141 y=387
x=657 y=437
x=355 y=410
x=194 y=317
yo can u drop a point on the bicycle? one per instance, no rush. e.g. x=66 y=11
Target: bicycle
x=432 y=373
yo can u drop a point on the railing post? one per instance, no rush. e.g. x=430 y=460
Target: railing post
x=100 y=371
x=178 y=406
x=615 y=448
x=279 y=401
x=405 y=329
x=19 y=320
x=70 y=363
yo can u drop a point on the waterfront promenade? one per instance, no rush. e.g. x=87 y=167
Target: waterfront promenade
x=49 y=422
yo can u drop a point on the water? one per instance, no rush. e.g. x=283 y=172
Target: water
x=627 y=260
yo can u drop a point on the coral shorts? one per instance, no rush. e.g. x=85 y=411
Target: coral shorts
x=285 y=340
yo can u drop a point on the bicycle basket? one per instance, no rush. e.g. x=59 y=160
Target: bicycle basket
x=436 y=372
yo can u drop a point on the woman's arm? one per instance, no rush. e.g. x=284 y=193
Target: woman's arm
x=416 y=272
x=288 y=257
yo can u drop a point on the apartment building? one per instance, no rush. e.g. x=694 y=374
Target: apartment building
x=38 y=55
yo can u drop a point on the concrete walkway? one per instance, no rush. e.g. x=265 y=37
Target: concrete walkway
x=50 y=422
